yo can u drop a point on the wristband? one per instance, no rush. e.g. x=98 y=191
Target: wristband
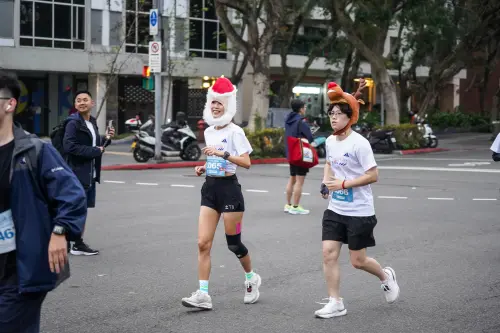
x=343 y=183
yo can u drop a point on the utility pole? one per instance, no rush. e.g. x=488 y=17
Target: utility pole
x=155 y=55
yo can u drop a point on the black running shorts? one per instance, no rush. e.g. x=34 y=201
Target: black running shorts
x=356 y=231
x=223 y=194
x=298 y=171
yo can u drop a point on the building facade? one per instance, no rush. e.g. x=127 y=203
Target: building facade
x=57 y=47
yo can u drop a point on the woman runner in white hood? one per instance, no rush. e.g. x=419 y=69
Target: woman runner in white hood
x=227 y=147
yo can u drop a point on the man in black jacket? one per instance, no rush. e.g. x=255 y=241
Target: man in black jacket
x=84 y=147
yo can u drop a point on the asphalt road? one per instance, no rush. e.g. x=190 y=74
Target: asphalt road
x=438 y=228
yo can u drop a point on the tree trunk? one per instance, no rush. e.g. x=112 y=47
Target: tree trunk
x=260 y=101
x=389 y=94
x=285 y=94
x=428 y=103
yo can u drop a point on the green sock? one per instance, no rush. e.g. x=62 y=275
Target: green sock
x=249 y=275
x=204 y=286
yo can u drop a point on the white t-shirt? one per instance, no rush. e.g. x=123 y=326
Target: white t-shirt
x=94 y=138
x=495 y=147
x=350 y=159
x=231 y=139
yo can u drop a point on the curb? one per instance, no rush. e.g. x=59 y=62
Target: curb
x=178 y=165
x=420 y=151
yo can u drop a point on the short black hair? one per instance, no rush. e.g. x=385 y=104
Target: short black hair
x=79 y=92
x=11 y=85
x=344 y=108
x=297 y=104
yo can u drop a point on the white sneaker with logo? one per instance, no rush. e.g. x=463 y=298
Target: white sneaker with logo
x=331 y=309
x=391 y=288
x=252 y=289
x=199 y=300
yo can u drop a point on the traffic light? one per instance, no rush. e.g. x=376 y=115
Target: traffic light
x=148 y=81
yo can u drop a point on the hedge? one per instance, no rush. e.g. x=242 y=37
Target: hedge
x=270 y=142
x=408 y=136
x=443 y=120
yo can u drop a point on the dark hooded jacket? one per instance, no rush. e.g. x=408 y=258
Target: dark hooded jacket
x=297 y=128
x=57 y=199
x=80 y=155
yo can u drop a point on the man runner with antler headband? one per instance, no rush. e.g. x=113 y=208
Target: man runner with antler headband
x=349 y=170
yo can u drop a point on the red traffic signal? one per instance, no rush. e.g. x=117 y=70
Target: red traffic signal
x=146 y=71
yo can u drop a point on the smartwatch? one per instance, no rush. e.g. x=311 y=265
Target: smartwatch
x=59 y=230
x=226 y=155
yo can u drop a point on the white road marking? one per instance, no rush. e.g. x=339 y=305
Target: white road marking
x=448 y=199
x=472 y=164
x=484 y=199
x=257 y=191
x=180 y=185
x=384 y=167
x=442 y=159
x=147 y=184
x=303 y=193
x=114 y=181
x=389 y=197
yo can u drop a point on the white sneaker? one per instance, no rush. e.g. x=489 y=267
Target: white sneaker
x=331 y=309
x=252 y=289
x=198 y=299
x=391 y=289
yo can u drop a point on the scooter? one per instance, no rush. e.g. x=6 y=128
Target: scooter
x=319 y=142
x=431 y=140
x=382 y=140
x=175 y=142
x=133 y=124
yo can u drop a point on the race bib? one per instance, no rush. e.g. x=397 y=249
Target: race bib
x=216 y=166
x=7 y=232
x=343 y=195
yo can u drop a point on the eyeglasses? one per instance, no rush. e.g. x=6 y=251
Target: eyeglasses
x=334 y=114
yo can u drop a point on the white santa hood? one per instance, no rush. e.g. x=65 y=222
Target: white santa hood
x=224 y=92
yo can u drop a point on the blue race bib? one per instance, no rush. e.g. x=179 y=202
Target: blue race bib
x=7 y=232
x=216 y=166
x=343 y=195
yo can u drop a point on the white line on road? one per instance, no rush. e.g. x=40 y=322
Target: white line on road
x=484 y=199
x=384 y=167
x=180 y=185
x=147 y=184
x=448 y=199
x=303 y=193
x=114 y=181
x=389 y=197
x=257 y=191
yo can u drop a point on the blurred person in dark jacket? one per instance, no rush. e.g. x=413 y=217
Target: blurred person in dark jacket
x=42 y=205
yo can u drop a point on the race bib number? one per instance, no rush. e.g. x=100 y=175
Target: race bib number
x=216 y=166
x=307 y=155
x=7 y=232
x=343 y=195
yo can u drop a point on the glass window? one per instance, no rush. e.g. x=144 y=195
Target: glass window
x=6 y=17
x=137 y=26
x=205 y=32
x=58 y=23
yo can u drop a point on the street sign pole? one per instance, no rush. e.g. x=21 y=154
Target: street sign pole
x=154 y=26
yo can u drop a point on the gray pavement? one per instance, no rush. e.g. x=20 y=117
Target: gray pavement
x=438 y=229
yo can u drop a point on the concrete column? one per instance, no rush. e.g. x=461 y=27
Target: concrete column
x=53 y=100
x=456 y=92
x=166 y=87
x=97 y=87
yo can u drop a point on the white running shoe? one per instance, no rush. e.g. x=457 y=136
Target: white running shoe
x=252 y=289
x=391 y=289
x=331 y=309
x=199 y=300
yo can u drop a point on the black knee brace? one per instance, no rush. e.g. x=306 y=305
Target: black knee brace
x=236 y=246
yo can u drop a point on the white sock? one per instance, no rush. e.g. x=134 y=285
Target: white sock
x=204 y=286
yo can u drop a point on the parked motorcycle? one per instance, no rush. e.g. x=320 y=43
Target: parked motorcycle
x=431 y=140
x=382 y=140
x=319 y=142
x=176 y=141
x=133 y=124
